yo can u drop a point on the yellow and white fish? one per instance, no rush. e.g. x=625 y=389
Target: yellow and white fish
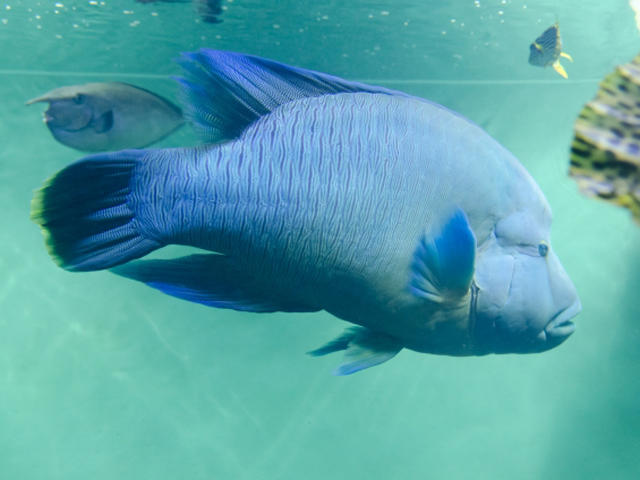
x=605 y=153
x=547 y=50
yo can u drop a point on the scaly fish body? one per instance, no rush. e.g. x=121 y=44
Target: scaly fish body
x=328 y=210
x=387 y=211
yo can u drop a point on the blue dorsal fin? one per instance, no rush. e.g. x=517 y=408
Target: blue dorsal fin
x=444 y=262
x=209 y=279
x=224 y=92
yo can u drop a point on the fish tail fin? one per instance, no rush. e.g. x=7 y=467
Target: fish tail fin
x=86 y=214
x=560 y=69
x=567 y=56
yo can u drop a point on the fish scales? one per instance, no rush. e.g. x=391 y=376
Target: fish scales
x=393 y=182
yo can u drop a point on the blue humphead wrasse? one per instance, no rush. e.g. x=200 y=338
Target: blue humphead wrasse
x=315 y=193
x=547 y=50
x=97 y=117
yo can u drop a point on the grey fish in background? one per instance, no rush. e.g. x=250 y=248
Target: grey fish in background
x=209 y=10
x=99 y=117
x=547 y=50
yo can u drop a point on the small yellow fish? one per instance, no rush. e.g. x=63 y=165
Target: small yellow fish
x=547 y=50
x=605 y=153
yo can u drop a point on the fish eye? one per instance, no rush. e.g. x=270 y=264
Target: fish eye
x=543 y=248
x=78 y=99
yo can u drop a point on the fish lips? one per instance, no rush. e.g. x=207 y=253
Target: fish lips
x=560 y=327
x=492 y=339
x=62 y=113
x=48 y=118
x=61 y=116
x=555 y=332
x=54 y=122
x=61 y=123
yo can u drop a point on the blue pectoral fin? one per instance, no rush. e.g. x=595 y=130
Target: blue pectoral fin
x=209 y=279
x=444 y=262
x=364 y=348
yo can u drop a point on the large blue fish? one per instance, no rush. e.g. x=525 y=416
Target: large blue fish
x=385 y=210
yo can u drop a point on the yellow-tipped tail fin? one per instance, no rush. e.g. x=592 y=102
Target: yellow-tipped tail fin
x=560 y=69
x=567 y=56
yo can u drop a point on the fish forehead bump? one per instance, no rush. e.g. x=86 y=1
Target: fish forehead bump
x=62 y=93
x=92 y=88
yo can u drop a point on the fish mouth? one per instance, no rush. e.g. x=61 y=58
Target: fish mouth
x=560 y=327
x=61 y=123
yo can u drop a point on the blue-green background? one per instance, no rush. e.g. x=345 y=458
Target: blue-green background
x=103 y=378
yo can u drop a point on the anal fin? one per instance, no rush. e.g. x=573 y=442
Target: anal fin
x=363 y=347
x=212 y=280
x=560 y=69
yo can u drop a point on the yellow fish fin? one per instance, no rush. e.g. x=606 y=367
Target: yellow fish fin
x=538 y=47
x=560 y=69
x=567 y=56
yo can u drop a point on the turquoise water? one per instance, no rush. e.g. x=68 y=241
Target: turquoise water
x=103 y=378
